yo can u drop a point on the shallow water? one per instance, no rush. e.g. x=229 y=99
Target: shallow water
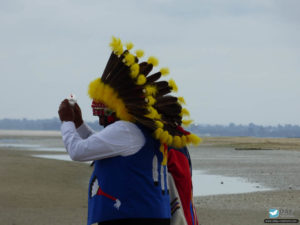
x=207 y=184
x=53 y=156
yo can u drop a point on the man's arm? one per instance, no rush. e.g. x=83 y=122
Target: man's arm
x=118 y=139
x=84 y=131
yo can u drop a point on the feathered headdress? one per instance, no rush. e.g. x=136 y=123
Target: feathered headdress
x=128 y=88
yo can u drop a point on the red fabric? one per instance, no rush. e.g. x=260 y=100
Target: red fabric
x=183 y=131
x=178 y=166
x=100 y=192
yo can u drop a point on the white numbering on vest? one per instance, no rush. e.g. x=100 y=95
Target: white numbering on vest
x=162 y=179
x=155 y=170
x=168 y=188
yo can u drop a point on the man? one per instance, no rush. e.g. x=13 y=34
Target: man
x=129 y=183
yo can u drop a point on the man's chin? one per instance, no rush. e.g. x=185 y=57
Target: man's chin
x=102 y=122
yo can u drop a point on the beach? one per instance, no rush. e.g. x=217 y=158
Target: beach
x=52 y=192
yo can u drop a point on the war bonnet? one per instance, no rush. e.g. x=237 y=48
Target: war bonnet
x=128 y=87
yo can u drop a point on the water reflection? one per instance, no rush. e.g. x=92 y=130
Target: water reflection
x=207 y=184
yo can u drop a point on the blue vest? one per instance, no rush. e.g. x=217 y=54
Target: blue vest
x=134 y=186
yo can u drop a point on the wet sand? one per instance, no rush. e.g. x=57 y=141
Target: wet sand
x=51 y=192
x=41 y=191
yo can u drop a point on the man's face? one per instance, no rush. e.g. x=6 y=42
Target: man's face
x=106 y=115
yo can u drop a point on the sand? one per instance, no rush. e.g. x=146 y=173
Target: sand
x=36 y=191
x=41 y=191
x=253 y=143
x=245 y=209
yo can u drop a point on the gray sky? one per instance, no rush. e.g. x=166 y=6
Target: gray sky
x=233 y=61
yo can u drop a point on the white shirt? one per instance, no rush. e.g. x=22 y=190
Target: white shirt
x=120 y=138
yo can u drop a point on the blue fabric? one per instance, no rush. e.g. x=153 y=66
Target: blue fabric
x=192 y=213
x=130 y=180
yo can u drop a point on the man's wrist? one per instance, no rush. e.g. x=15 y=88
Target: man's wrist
x=78 y=123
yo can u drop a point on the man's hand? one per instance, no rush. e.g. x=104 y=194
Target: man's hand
x=77 y=116
x=65 y=111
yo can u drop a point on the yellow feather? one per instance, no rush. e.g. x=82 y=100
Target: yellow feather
x=164 y=153
x=116 y=46
x=96 y=89
x=151 y=100
x=152 y=60
x=107 y=92
x=129 y=46
x=162 y=148
x=153 y=114
x=156 y=114
x=139 y=53
x=158 y=132
x=134 y=70
x=173 y=85
x=181 y=100
x=159 y=124
x=164 y=137
x=151 y=111
x=92 y=87
x=177 y=142
x=170 y=140
x=184 y=112
x=184 y=140
x=165 y=160
x=194 y=139
x=129 y=59
x=100 y=92
x=113 y=43
x=141 y=80
x=150 y=90
x=164 y=71
x=186 y=122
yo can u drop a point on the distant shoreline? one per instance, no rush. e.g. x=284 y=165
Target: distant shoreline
x=253 y=143
x=238 y=143
x=204 y=130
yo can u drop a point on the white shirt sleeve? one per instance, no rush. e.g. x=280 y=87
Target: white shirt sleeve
x=85 y=131
x=118 y=139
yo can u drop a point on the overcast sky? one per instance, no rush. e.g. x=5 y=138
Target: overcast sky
x=233 y=61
